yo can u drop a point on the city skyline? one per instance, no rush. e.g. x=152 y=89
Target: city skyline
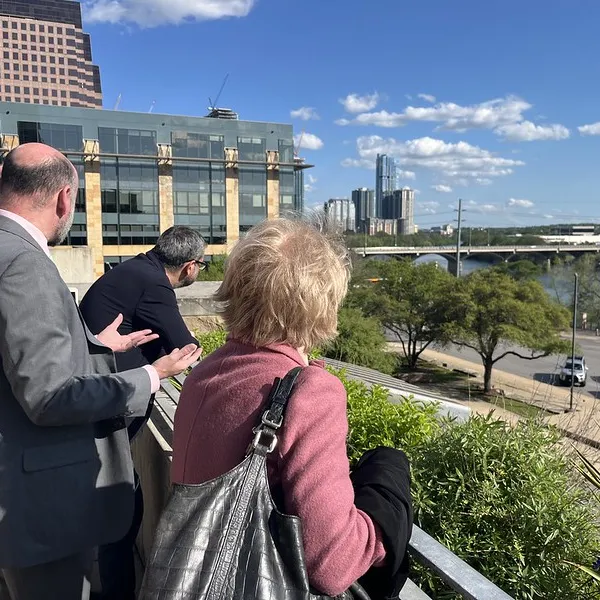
x=512 y=128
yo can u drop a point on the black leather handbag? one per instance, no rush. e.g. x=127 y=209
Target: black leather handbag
x=226 y=540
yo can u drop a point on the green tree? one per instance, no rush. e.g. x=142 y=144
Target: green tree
x=520 y=269
x=360 y=341
x=410 y=301
x=497 y=316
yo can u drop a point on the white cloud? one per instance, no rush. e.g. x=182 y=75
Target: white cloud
x=442 y=188
x=429 y=208
x=520 y=203
x=458 y=160
x=305 y=113
x=309 y=183
x=308 y=141
x=426 y=97
x=451 y=116
x=151 y=13
x=472 y=206
x=526 y=131
x=359 y=163
x=343 y=122
x=592 y=129
x=406 y=174
x=548 y=216
x=353 y=103
x=483 y=181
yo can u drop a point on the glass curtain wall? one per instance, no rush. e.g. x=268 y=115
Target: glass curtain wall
x=130 y=213
x=199 y=188
x=252 y=182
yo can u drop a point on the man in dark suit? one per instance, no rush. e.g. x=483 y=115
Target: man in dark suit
x=142 y=290
x=66 y=483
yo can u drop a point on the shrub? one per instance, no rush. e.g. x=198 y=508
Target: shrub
x=215 y=269
x=211 y=341
x=501 y=498
x=360 y=341
x=374 y=421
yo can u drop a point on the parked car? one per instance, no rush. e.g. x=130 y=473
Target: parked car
x=577 y=369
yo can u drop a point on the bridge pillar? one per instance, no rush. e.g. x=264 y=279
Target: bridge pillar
x=451 y=264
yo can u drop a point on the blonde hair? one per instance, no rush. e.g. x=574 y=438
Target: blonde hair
x=284 y=283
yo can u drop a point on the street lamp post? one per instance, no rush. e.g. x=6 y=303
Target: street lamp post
x=575 y=302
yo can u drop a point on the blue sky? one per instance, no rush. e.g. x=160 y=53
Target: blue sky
x=494 y=102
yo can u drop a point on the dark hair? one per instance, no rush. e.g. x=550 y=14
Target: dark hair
x=178 y=245
x=40 y=180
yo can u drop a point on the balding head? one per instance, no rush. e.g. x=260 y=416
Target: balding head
x=40 y=184
x=34 y=174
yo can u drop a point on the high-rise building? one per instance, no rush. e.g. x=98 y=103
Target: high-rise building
x=364 y=204
x=385 y=181
x=47 y=58
x=341 y=214
x=400 y=206
x=141 y=173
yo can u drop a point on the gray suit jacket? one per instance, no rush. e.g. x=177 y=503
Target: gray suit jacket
x=66 y=478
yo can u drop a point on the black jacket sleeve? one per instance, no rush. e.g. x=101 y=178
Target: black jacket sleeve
x=158 y=309
x=381 y=483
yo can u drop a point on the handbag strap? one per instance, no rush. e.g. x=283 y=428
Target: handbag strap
x=265 y=433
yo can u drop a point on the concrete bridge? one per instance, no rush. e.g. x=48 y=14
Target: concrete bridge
x=502 y=252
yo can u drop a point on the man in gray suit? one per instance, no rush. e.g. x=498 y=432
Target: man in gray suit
x=66 y=478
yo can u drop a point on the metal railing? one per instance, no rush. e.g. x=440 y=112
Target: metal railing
x=424 y=549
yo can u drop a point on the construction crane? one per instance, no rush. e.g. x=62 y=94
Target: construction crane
x=118 y=102
x=213 y=105
x=298 y=145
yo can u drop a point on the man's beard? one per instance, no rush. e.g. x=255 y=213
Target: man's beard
x=185 y=282
x=64 y=226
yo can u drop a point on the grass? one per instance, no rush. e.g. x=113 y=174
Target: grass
x=523 y=409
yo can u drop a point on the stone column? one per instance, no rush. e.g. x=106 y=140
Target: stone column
x=272 y=184
x=9 y=141
x=232 y=197
x=166 y=208
x=93 y=204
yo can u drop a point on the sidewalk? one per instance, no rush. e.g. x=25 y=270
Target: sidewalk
x=582 y=425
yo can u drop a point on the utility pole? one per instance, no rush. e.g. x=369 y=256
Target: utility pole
x=458 y=237
x=575 y=302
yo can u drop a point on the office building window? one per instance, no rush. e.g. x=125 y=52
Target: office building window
x=198 y=145
x=61 y=137
x=286 y=190
x=129 y=202
x=199 y=195
x=286 y=151
x=253 y=196
x=127 y=141
x=253 y=149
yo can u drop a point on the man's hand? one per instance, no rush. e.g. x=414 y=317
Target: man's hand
x=178 y=361
x=122 y=343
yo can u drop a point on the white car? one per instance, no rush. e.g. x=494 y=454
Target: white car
x=576 y=369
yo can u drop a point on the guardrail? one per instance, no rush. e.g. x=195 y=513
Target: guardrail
x=466 y=250
x=425 y=550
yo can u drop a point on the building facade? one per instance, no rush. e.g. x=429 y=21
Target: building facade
x=388 y=226
x=141 y=173
x=400 y=206
x=46 y=56
x=341 y=214
x=364 y=204
x=385 y=181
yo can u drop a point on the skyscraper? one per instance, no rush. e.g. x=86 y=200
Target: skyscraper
x=47 y=58
x=385 y=181
x=364 y=204
x=341 y=214
x=401 y=207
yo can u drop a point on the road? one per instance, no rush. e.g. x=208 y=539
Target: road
x=542 y=369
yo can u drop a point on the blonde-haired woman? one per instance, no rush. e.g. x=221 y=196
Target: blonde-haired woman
x=283 y=285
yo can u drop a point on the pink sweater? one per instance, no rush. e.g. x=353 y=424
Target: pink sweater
x=222 y=401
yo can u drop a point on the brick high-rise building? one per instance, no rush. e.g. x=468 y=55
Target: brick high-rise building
x=46 y=56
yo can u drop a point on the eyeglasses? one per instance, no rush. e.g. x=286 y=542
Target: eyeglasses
x=201 y=264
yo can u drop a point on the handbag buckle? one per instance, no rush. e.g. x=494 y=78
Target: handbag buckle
x=270 y=423
x=269 y=444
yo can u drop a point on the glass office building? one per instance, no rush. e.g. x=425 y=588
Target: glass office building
x=141 y=173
